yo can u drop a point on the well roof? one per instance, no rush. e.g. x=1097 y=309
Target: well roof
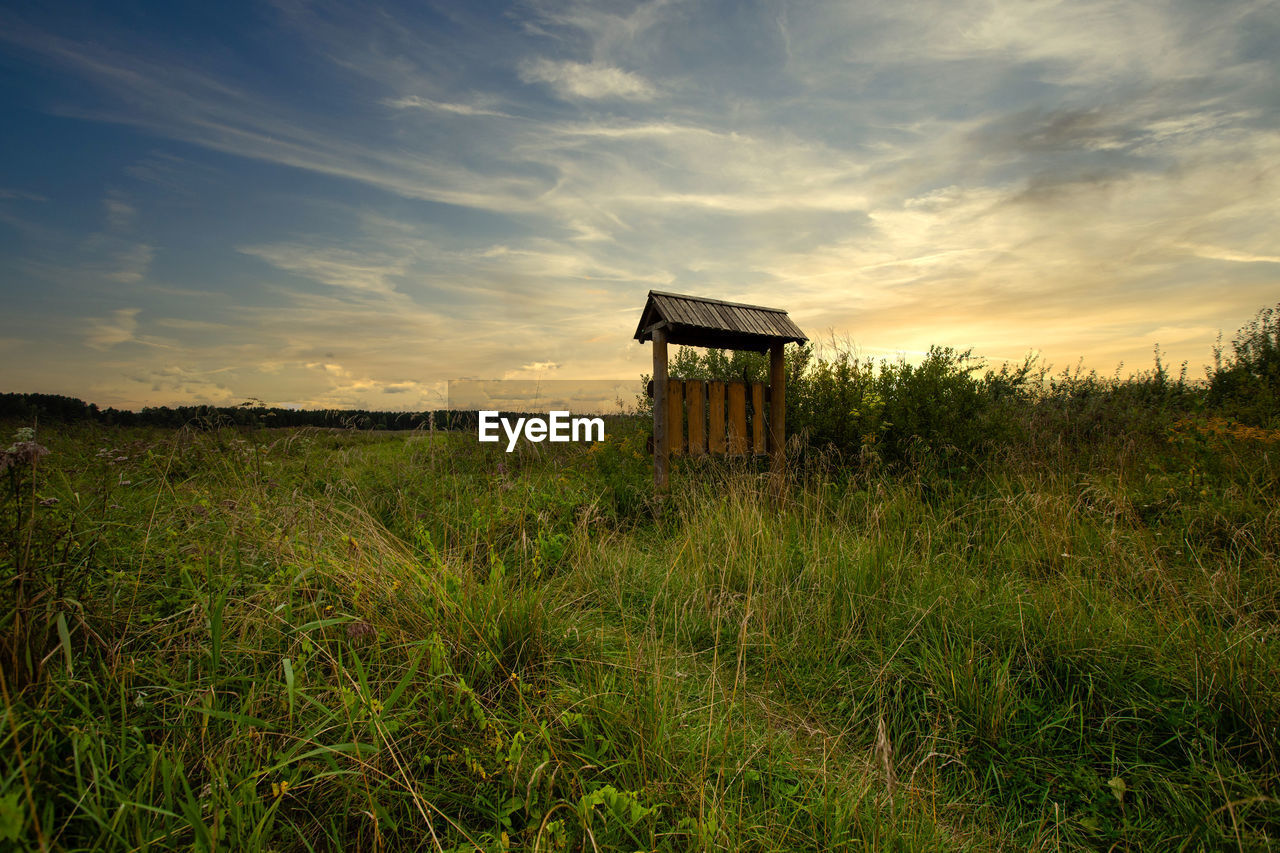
x=703 y=322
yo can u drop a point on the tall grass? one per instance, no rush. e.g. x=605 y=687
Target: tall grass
x=304 y=640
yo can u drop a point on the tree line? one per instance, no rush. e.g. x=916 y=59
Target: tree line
x=57 y=408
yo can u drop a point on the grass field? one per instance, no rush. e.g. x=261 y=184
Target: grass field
x=314 y=640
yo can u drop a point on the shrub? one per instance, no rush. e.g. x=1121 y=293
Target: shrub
x=947 y=412
x=940 y=411
x=1248 y=384
x=1080 y=409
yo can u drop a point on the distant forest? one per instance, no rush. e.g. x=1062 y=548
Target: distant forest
x=59 y=409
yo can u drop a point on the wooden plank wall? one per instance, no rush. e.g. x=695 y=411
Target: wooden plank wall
x=737 y=418
x=758 y=445
x=720 y=418
x=715 y=417
x=675 y=416
x=696 y=394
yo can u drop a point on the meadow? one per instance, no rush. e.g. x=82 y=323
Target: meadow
x=301 y=639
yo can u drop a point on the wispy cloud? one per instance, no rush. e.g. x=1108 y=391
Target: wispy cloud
x=592 y=81
x=133 y=263
x=340 y=268
x=416 y=102
x=120 y=214
x=7 y=194
x=117 y=328
x=1217 y=253
x=177 y=100
x=409 y=190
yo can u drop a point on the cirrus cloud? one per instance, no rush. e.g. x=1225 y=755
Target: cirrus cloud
x=592 y=81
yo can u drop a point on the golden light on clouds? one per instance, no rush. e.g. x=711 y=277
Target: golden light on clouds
x=380 y=203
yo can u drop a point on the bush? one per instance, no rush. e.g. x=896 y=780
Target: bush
x=1080 y=409
x=940 y=411
x=881 y=411
x=947 y=412
x=1248 y=385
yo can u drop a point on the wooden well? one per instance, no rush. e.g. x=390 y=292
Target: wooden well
x=717 y=418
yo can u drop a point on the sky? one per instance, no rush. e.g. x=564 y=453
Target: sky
x=345 y=205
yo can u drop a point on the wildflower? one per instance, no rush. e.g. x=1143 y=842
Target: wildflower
x=360 y=629
x=24 y=451
x=279 y=789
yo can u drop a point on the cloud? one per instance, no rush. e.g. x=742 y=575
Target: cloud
x=118 y=328
x=962 y=173
x=120 y=214
x=335 y=370
x=174 y=98
x=346 y=389
x=1217 y=253
x=184 y=384
x=608 y=31
x=545 y=259
x=188 y=325
x=341 y=268
x=591 y=81
x=7 y=194
x=415 y=102
x=132 y=264
x=532 y=370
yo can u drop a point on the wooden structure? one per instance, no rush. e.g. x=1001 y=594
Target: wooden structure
x=673 y=318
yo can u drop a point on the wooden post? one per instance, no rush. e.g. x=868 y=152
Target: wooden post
x=777 y=410
x=660 y=448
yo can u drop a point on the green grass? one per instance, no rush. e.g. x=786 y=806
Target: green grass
x=295 y=640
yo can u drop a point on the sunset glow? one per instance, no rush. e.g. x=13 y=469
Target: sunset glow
x=334 y=205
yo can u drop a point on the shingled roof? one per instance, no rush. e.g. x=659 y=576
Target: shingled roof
x=697 y=321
